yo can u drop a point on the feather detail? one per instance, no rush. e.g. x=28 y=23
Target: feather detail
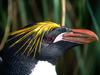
x=35 y=36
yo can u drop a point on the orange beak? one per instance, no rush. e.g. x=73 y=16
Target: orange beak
x=81 y=36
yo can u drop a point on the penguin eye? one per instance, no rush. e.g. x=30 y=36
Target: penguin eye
x=49 y=39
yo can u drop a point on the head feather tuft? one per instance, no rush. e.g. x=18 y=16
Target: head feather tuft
x=37 y=33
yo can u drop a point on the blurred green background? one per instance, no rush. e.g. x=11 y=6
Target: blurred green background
x=83 y=60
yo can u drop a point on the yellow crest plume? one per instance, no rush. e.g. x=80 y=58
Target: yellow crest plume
x=33 y=43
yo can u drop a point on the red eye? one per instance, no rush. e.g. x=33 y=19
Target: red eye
x=49 y=39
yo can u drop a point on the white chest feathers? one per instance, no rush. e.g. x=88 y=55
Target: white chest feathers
x=44 y=68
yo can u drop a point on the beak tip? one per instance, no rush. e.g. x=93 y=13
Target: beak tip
x=97 y=38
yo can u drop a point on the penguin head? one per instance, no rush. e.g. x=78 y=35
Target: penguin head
x=29 y=40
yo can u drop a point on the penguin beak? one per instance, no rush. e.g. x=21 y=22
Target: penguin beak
x=80 y=36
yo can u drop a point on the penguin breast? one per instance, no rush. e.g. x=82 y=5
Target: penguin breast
x=44 y=68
